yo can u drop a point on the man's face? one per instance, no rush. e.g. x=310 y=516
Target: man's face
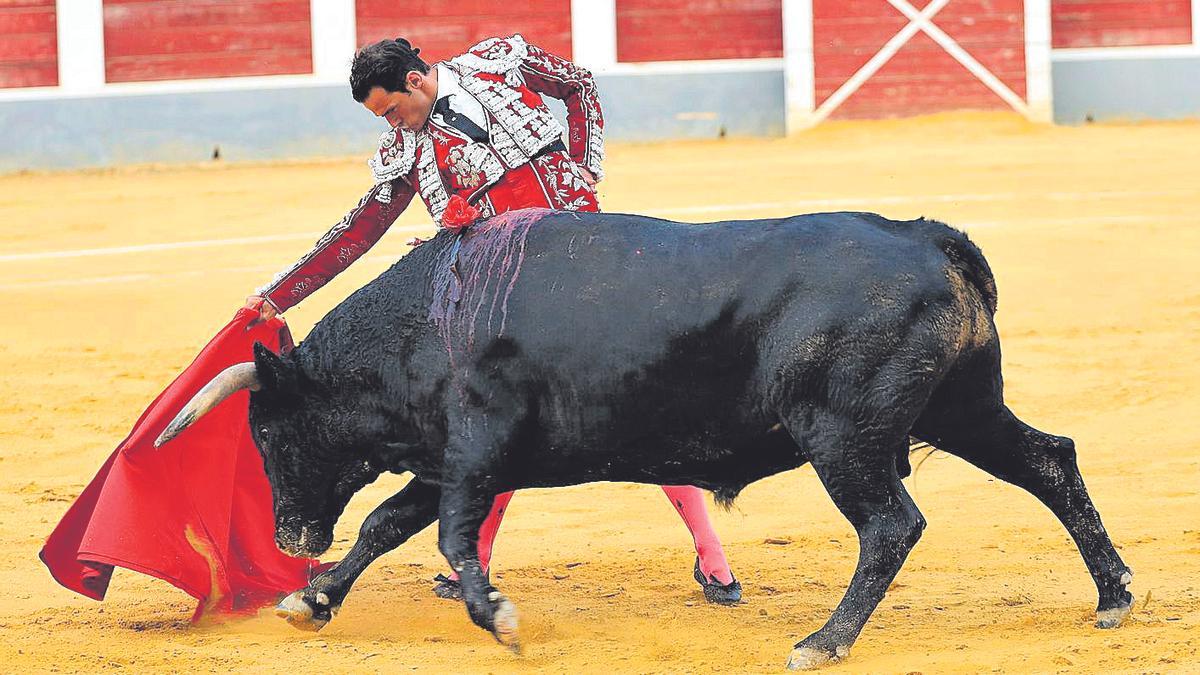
x=408 y=109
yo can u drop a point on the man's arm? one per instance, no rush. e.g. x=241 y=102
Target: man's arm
x=336 y=249
x=548 y=74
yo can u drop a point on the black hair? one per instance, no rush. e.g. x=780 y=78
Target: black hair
x=384 y=64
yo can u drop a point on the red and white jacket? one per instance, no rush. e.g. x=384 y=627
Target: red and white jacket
x=523 y=163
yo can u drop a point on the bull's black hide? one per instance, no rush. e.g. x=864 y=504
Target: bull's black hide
x=549 y=349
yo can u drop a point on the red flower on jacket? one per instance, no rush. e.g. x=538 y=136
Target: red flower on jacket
x=459 y=214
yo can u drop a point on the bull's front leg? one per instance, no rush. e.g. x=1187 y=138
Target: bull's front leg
x=468 y=489
x=391 y=524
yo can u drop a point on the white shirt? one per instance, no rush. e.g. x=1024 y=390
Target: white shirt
x=460 y=101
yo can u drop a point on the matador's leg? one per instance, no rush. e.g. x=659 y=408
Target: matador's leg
x=712 y=569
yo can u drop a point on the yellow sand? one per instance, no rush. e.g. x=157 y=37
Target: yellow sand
x=1094 y=236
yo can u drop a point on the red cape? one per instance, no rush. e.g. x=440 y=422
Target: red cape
x=196 y=512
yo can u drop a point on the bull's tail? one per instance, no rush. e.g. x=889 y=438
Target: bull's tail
x=965 y=255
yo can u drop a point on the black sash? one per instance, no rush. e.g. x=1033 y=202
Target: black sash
x=459 y=121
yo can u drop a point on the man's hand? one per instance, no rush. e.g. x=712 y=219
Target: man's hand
x=266 y=311
x=587 y=176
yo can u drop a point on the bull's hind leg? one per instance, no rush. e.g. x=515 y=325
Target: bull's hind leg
x=391 y=523
x=858 y=470
x=987 y=434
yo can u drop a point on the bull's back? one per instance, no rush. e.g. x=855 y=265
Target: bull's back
x=613 y=280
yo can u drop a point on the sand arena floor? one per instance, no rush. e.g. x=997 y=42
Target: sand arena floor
x=1094 y=236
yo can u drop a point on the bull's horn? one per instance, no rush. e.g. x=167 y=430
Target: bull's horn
x=229 y=381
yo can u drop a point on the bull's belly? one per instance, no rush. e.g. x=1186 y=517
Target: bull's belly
x=716 y=459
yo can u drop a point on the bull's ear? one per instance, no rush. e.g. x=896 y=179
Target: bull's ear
x=276 y=373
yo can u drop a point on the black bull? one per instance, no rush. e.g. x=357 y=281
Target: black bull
x=549 y=349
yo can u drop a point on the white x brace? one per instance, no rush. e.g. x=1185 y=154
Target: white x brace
x=798 y=36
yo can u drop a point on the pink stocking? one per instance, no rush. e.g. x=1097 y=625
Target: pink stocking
x=487 y=531
x=689 y=502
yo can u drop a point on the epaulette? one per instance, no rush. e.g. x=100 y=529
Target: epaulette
x=494 y=55
x=396 y=156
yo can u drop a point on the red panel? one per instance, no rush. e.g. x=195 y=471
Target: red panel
x=921 y=77
x=446 y=28
x=1120 y=23
x=183 y=39
x=683 y=30
x=28 y=44
x=992 y=32
x=846 y=35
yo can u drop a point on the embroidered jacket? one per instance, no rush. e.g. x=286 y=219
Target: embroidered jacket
x=522 y=163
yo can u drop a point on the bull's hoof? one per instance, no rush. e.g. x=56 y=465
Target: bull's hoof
x=447 y=588
x=811 y=658
x=302 y=614
x=1111 y=618
x=716 y=592
x=1115 y=616
x=504 y=622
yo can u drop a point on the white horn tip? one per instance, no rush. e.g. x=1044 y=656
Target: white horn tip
x=181 y=422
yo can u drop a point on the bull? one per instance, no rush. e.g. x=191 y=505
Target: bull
x=544 y=349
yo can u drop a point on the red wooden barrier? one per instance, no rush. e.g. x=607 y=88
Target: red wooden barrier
x=181 y=39
x=1121 y=23
x=445 y=28
x=28 y=44
x=681 y=30
x=921 y=77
